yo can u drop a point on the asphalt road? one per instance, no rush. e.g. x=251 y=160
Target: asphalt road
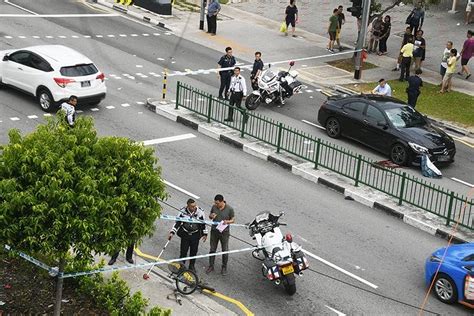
x=370 y=244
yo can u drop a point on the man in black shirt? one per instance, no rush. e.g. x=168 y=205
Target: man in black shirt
x=256 y=70
x=342 y=19
x=413 y=90
x=226 y=61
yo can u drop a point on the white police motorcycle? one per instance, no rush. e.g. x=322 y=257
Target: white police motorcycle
x=274 y=87
x=281 y=257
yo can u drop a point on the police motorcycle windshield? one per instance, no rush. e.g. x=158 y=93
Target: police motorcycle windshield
x=268 y=76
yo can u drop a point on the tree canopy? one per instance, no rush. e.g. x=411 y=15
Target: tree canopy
x=67 y=190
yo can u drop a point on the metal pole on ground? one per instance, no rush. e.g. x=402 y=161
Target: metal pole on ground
x=201 y=16
x=361 y=39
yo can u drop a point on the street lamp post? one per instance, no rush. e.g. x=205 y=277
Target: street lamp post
x=361 y=39
x=201 y=17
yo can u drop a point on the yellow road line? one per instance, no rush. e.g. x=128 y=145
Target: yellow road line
x=216 y=294
x=462 y=141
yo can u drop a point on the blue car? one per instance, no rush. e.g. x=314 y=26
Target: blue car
x=455 y=279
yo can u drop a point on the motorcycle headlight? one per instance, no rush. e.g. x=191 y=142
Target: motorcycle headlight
x=418 y=148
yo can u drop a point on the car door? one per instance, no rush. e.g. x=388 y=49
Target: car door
x=352 y=119
x=376 y=130
x=14 y=69
x=37 y=72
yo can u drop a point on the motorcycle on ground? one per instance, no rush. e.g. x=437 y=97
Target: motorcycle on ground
x=274 y=88
x=281 y=258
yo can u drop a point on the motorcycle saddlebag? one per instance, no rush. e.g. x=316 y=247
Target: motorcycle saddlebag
x=270 y=269
x=300 y=262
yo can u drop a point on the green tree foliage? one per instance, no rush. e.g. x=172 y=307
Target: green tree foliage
x=66 y=190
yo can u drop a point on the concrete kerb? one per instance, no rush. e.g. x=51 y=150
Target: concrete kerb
x=425 y=221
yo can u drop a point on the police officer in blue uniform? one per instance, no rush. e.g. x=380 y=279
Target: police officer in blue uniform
x=226 y=61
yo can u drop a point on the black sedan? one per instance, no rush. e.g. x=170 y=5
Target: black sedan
x=387 y=125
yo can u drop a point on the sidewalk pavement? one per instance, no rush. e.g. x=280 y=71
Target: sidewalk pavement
x=159 y=287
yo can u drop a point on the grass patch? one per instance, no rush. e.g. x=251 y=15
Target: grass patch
x=348 y=64
x=454 y=106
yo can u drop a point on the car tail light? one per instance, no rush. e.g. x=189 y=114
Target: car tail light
x=63 y=82
x=101 y=77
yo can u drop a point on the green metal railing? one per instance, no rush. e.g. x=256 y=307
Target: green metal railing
x=399 y=185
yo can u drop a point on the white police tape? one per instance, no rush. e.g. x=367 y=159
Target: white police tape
x=207 y=71
x=53 y=271
x=195 y=221
x=153 y=263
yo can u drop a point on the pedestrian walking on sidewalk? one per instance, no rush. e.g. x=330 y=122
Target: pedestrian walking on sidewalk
x=416 y=17
x=224 y=214
x=190 y=233
x=466 y=53
x=213 y=9
x=256 y=70
x=291 y=16
x=407 y=55
x=413 y=90
x=383 y=88
x=238 y=90
x=406 y=36
x=226 y=61
x=452 y=61
x=342 y=20
x=468 y=15
x=419 y=51
x=384 y=34
x=128 y=255
x=332 y=29
x=375 y=34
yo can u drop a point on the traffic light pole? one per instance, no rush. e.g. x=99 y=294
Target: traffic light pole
x=202 y=14
x=361 y=39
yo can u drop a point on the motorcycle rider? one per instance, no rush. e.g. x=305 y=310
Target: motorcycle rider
x=190 y=233
x=256 y=70
x=238 y=90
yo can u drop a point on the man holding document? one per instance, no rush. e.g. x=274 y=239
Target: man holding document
x=223 y=214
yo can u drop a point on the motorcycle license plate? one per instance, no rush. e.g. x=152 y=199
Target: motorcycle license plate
x=287 y=270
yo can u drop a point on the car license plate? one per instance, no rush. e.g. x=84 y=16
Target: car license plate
x=85 y=84
x=287 y=269
x=443 y=158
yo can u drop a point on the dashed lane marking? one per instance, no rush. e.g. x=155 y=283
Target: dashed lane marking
x=14 y=118
x=168 y=139
x=32 y=116
x=335 y=311
x=125 y=105
x=109 y=107
x=313 y=124
x=94 y=109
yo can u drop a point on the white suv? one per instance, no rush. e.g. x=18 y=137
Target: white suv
x=52 y=73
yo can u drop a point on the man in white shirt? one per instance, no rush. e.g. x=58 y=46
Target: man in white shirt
x=70 y=108
x=238 y=90
x=383 y=88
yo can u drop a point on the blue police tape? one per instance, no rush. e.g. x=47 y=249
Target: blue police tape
x=53 y=271
x=148 y=264
x=196 y=221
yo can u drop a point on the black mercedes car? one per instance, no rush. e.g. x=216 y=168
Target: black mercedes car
x=387 y=125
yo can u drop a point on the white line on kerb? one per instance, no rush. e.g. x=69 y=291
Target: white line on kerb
x=463 y=182
x=181 y=189
x=35 y=15
x=313 y=124
x=20 y=7
x=168 y=139
x=336 y=311
x=332 y=265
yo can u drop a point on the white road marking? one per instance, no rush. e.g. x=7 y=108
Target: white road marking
x=36 y=36
x=49 y=36
x=463 y=182
x=79 y=111
x=21 y=36
x=336 y=311
x=111 y=35
x=313 y=124
x=32 y=116
x=62 y=36
x=74 y=36
x=309 y=91
x=7 y=36
x=47 y=114
x=311 y=97
x=110 y=107
x=146 y=34
x=140 y=102
x=139 y=66
x=168 y=139
x=156 y=34
x=35 y=15
x=14 y=118
x=332 y=265
x=133 y=35
x=99 y=36
x=94 y=109
x=181 y=190
x=125 y=105
x=159 y=58
x=123 y=35
x=20 y=7
x=87 y=36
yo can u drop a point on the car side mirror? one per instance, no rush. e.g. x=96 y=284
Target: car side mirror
x=5 y=58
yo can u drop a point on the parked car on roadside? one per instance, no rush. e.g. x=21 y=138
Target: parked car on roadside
x=52 y=73
x=454 y=281
x=387 y=125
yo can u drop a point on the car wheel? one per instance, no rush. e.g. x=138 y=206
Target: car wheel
x=333 y=127
x=46 y=101
x=445 y=289
x=399 y=154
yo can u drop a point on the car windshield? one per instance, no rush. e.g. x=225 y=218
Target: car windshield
x=79 y=70
x=405 y=117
